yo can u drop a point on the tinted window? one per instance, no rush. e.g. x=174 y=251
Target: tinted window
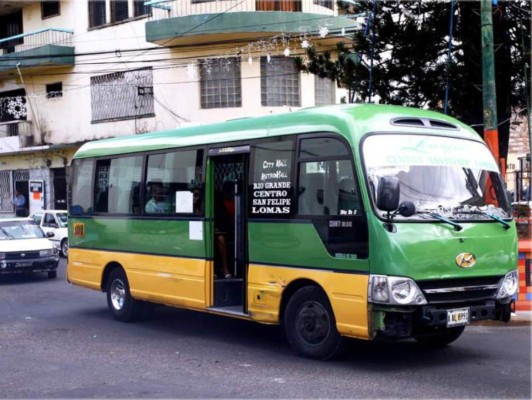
x=173 y=183
x=271 y=186
x=81 y=187
x=117 y=185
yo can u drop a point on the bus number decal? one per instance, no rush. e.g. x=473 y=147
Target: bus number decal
x=79 y=230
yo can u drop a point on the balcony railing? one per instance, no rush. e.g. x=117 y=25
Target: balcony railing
x=33 y=40
x=162 y=9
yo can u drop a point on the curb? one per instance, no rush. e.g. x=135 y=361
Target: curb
x=521 y=318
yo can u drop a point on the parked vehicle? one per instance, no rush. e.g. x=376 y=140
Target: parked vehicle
x=25 y=248
x=55 y=221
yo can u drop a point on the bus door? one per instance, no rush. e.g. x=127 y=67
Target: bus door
x=229 y=181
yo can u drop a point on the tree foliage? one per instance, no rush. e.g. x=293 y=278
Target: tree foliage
x=403 y=57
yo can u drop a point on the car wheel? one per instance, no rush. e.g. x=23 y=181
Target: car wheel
x=442 y=337
x=52 y=274
x=123 y=307
x=310 y=325
x=64 y=247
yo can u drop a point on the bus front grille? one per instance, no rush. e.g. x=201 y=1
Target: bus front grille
x=460 y=290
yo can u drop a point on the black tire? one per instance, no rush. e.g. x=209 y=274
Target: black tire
x=122 y=306
x=442 y=337
x=64 y=247
x=52 y=274
x=310 y=326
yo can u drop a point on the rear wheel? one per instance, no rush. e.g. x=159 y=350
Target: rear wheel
x=441 y=337
x=123 y=307
x=310 y=325
x=64 y=247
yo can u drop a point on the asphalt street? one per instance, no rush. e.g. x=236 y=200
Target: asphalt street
x=59 y=341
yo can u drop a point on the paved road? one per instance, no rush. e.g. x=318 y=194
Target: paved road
x=58 y=341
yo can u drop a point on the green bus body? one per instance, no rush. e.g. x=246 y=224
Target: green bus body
x=423 y=248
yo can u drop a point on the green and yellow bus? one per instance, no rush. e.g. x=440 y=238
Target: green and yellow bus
x=360 y=221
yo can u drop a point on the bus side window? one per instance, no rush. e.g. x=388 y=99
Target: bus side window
x=329 y=196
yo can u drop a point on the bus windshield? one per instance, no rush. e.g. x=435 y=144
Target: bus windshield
x=454 y=178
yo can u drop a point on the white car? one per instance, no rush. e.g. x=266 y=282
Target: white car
x=25 y=248
x=54 y=221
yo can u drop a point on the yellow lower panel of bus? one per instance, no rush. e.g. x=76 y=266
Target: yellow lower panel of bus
x=347 y=294
x=161 y=279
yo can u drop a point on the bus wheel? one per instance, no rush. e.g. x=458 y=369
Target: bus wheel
x=310 y=325
x=441 y=338
x=122 y=306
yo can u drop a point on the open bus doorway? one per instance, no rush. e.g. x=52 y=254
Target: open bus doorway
x=229 y=241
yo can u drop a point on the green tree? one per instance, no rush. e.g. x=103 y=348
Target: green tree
x=402 y=56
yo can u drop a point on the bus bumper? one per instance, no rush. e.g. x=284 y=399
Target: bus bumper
x=402 y=323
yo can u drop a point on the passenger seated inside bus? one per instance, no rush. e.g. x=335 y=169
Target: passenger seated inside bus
x=225 y=226
x=158 y=202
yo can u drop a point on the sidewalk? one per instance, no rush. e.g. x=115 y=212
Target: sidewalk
x=519 y=318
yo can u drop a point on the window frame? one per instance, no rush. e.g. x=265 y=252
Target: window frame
x=50 y=13
x=266 y=97
x=93 y=13
x=236 y=100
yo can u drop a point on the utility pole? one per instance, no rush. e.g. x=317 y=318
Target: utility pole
x=491 y=132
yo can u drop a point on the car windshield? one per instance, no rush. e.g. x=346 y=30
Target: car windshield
x=23 y=229
x=63 y=220
x=455 y=178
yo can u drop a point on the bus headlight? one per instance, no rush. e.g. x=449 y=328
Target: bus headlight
x=509 y=285
x=394 y=290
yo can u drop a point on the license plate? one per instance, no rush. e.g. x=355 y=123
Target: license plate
x=23 y=264
x=457 y=317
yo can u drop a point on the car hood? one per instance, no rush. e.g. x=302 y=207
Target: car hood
x=25 y=245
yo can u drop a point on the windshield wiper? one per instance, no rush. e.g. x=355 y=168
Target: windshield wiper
x=505 y=224
x=5 y=233
x=457 y=227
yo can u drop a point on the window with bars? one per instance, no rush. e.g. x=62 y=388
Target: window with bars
x=97 y=15
x=122 y=95
x=119 y=10
x=323 y=91
x=220 y=84
x=50 y=9
x=54 y=90
x=279 y=82
x=278 y=5
x=140 y=9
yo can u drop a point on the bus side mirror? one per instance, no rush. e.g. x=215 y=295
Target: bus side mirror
x=388 y=194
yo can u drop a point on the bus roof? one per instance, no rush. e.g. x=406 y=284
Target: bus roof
x=349 y=120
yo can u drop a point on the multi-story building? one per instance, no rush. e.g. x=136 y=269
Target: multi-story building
x=78 y=70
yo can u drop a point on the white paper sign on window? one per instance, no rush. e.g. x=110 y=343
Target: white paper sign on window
x=184 y=201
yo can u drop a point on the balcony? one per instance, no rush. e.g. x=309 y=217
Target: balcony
x=37 y=50
x=15 y=135
x=202 y=22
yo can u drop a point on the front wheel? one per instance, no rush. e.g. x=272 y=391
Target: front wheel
x=64 y=247
x=123 y=307
x=442 y=337
x=310 y=325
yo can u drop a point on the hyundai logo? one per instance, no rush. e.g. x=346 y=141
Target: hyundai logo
x=465 y=260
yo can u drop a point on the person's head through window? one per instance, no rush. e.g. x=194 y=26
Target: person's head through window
x=158 y=203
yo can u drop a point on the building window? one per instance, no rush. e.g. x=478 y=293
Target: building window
x=323 y=91
x=97 y=15
x=54 y=90
x=122 y=95
x=220 y=84
x=140 y=9
x=119 y=10
x=50 y=9
x=279 y=82
x=325 y=3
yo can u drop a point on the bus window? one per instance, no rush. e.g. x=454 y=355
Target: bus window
x=80 y=197
x=329 y=196
x=117 y=185
x=173 y=183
